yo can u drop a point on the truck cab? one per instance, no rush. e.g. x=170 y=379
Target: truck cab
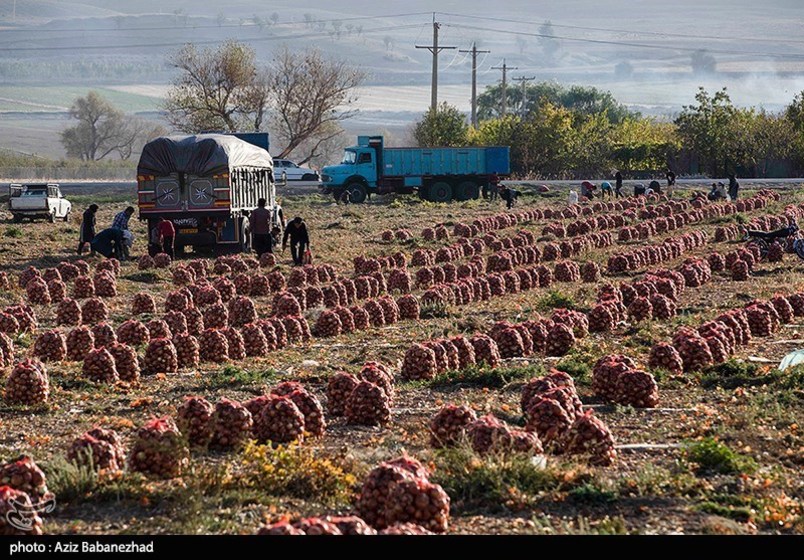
x=357 y=172
x=38 y=200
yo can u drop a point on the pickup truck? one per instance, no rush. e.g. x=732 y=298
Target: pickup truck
x=41 y=200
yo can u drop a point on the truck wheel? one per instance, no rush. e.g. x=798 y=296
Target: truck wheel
x=357 y=193
x=17 y=218
x=309 y=177
x=440 y=192
x=467 y=190
x=52 y=217
x=67 y=218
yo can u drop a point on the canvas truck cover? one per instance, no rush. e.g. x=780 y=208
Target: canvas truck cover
x=201 y=155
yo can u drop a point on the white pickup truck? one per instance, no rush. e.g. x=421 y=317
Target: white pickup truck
x=38 y=201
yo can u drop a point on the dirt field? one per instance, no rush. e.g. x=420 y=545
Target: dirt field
x=721 y=453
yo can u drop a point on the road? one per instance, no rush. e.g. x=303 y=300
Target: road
x=302 y=188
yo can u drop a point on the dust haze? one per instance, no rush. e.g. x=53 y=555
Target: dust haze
x=51 y=52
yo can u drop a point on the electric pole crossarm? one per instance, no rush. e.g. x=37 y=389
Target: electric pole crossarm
x=524 y=80
x=474 y=52
x=434 y=50
x=505 y=68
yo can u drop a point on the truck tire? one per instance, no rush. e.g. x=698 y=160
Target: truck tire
x=309 y=177
x=440 y=192
x=357 y=193
x=67 y=217
x=52 y=217
x=17 y=218
x=467 y=190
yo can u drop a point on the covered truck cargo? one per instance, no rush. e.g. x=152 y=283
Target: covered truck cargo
x=202 y=155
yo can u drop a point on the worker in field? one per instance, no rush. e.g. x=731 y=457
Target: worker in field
x=121 y=218
x=588 y=190
x=296 y=231
x=87 y=227
x=113 y=243
x=734 y=187
x=276 y=234
x=168 y=234
x=605 y=190
x=492 y=190
x=671 y=181
x=260 y=225
x=509 y=195
x=618 y=185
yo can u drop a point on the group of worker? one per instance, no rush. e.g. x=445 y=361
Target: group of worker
x=718 y=192
x=117 y=240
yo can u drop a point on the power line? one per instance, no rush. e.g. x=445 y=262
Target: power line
x=628 y=44
x=210 y=26
x=629 y=31
x=212 y=42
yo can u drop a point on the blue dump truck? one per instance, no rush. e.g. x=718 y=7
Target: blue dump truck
x=206 y=185
x=438 y=174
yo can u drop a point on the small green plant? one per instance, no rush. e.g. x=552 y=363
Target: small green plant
x=590 y=493
x=13 y=232
x=556 y=299
x=433 y=310
x=496 y=481
x=576 y=366
x=231 y=376
x=732 y=374
x=741 y=514
x=70 y=482
x=713 y=456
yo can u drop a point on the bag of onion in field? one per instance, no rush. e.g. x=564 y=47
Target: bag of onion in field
x=308 y=257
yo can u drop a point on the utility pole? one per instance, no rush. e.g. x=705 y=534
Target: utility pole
x=434 y=49
x=505 y=68
x=474 y=52
x=524 y=80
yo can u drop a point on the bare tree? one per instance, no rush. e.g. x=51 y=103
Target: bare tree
x=103 y=129
x=303 y=95
x=306 y=95
x=215 y=89
x=274 y=17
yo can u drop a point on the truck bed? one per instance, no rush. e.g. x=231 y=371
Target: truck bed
x=409 y=162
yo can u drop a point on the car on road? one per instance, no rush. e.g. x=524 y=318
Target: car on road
x=293 y=171
x=38 y=200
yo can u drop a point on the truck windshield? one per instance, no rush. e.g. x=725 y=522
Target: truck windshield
x=34 y=192
x=349 y=156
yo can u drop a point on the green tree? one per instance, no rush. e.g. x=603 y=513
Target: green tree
x=644 y=144
x=705 y=128
x=586 y=101
x=446 y=126
x=546 y=139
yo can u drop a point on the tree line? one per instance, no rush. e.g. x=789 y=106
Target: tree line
x=571 y=132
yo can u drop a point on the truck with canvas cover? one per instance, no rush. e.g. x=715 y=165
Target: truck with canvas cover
x=438 y=174
x=206 y=184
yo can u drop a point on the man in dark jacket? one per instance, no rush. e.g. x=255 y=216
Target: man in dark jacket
x=296 y=230
x=109 y=243
x=618 y=185
x=87 y=227
x=734 y=187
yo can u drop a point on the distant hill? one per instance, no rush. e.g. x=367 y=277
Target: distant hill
x=28 y=11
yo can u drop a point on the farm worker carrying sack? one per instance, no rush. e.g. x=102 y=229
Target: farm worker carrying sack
x=168 y=235
x=260 y=224
x=296 y=230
